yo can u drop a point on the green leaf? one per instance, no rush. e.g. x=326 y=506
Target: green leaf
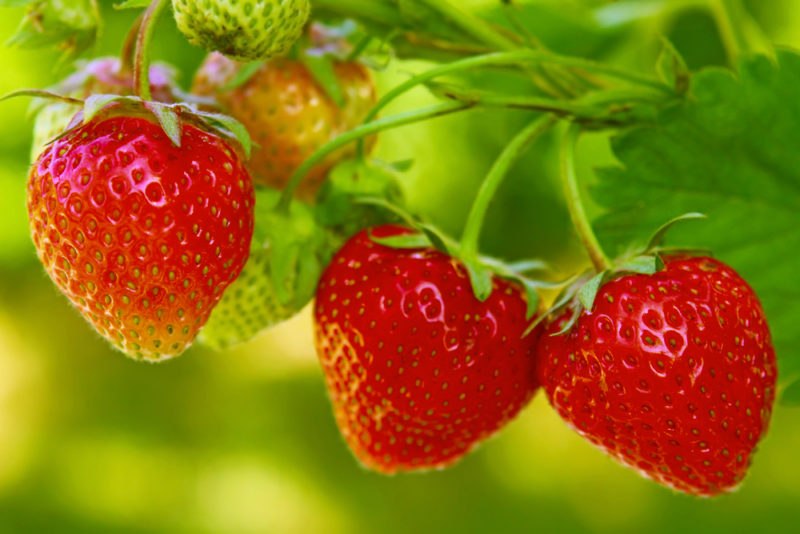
x=588 y=291
x=730 y=152
x=37 y=93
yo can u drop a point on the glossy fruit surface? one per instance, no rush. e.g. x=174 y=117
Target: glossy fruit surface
x=672 y=374
x=289 y=114
x=418 y=370
x=142 y=236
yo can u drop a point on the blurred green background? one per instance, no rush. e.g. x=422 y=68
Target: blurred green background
x=245 y=442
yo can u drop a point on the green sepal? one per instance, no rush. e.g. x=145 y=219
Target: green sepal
x=39 y=93
x=71 y=26
x=576 y=313
x=588 y=292
x=168 y=120
x=96 y=103
x=658 y=236
x=672 y=68
x=532 y=292
x=229 y=127
x=339 y=202
x=297 y=245
x=480 y=277
x=242 y=76
x=321 y=68
x=647 y=264
x=405 y=241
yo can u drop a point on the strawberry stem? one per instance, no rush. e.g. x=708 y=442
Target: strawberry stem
x=572 y=193
x=359 y=133
x=520 y=57
x=128 y=53
x=509 y=156
x=141 y=72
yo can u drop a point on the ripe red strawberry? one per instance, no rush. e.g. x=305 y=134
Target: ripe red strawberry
x=141 y=235
x=289 y=114
x=672 y=374
x=418 y=370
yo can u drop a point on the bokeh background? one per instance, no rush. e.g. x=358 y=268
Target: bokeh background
x=244 y=441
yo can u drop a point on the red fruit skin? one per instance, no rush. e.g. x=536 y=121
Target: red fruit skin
x=672 y=374
x=142 y=236
x=418 y=370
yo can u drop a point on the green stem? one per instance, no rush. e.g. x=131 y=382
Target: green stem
x=472 y=25
x=141 y=71
x=509 y=156
x=359 y=133
x=728 y=15
x=575 y=204
x=128 y=52
x=513 y=57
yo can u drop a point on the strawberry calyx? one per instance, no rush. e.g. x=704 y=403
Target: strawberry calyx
x=581 y=293
x=481 y=268
x=299 y=248
x=338 y=204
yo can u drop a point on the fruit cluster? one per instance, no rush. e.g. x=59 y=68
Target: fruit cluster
x=149 y=216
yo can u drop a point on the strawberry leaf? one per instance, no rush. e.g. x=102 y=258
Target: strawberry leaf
x=95 y=103
x=730 y=152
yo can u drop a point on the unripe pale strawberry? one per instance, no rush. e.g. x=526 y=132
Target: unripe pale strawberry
x=243 y=29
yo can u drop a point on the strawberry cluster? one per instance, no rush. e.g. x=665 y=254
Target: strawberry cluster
x=144 y=214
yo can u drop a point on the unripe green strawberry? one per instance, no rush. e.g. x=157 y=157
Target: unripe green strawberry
x=288 y=254
x=248 y=307
x=245 y=29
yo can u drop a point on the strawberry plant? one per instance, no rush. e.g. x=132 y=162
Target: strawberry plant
x=161 y=221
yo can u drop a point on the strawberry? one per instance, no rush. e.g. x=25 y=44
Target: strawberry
x=672 y=374
x=99 y=76
x=419 y=371
x=246 y=30
x=289 y=114
x=141 y=235
x=288 y=254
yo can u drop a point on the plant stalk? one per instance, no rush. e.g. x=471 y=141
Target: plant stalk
x=359 y=133
x=510 y=155
x=141 y=71
x=575 y=204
